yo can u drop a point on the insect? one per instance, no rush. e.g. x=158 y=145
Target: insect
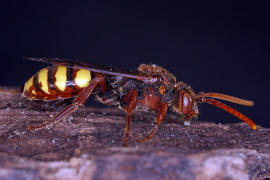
x=148 y=88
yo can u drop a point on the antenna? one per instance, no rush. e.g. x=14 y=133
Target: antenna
x=204 y=97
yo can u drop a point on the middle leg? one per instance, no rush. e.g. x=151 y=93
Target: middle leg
x=131 y=99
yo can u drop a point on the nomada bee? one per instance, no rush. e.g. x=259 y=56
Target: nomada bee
x=148 y=88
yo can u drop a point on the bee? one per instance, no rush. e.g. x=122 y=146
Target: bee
x=148 y=88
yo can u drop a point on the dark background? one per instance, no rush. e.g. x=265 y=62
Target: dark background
x=213 y=46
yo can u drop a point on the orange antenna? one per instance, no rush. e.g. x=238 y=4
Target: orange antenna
x=227 y=98
x=203 y=97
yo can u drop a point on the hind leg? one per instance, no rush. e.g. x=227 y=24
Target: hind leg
x=79 y=100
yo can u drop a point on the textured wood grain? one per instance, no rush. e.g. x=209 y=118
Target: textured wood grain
x=87 y=145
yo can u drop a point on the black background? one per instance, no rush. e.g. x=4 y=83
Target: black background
x=213 y=46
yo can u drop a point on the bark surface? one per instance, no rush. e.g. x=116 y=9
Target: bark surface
x=87 y=145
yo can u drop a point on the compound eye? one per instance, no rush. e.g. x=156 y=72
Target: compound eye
x=185 y=102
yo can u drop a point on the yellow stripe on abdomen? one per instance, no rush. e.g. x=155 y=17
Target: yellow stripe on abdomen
x=43 y=80
x=82 y=78
x=28 y=84
x=28 y=89
x=61 y=77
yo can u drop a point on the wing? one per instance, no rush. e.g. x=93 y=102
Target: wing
x=94 y=68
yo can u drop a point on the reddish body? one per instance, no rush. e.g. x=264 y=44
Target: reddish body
x=149 y=88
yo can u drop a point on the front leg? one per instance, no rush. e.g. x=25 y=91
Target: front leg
x=160 y=117
x=79 y=100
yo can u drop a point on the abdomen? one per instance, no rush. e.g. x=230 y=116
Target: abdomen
x=56 y=82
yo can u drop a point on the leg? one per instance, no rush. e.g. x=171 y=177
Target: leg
x=160 y=117
x=131 y=99
x=79 y=100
